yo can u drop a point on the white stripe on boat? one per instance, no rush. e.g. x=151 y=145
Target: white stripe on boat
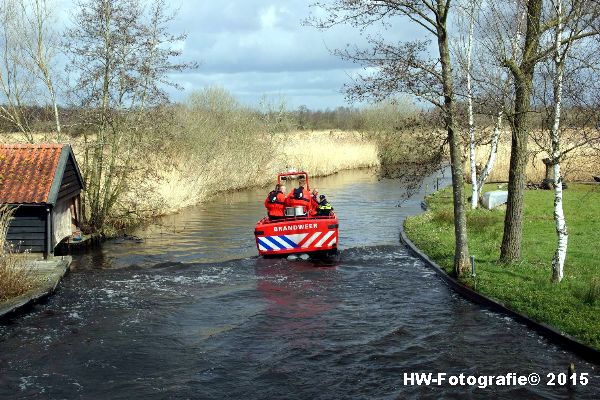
x=282 y=242
x=311 y=239
x=320 y=243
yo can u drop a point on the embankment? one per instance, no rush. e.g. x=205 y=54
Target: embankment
x=573 y=305
x=44 y=276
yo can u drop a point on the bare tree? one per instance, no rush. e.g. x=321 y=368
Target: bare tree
x=559 y=56
x=39 y=43
x=121 y=51
x=486 y=89
x=572 y=63
x=16 y=84
x=407 y=68
x=532 y=49
x=472 y=15
x=28 y=46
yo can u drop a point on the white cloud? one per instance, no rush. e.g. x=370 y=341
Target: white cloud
x=253 y=47
x=317 y=89
x=268 y=17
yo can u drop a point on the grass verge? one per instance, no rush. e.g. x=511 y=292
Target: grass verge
x=573 y=306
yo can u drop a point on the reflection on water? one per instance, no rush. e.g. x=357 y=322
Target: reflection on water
x=133 y=322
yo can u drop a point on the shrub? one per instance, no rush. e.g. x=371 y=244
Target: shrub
x=592 y=295
x=15 y=277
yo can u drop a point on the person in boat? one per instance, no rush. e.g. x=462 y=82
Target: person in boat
x=299 y=197
x=324 y=208
x=314 y=202
x=275 y=203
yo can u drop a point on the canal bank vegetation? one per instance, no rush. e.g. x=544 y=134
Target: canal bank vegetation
x=529 y=66
x=574 y=305
x=15 y=277
x=183 y=154
x=220 y=145
x=580 y=165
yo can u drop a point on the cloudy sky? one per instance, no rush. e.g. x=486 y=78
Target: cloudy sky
x=256 y=48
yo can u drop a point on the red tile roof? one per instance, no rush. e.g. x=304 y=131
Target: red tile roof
x=27 y=172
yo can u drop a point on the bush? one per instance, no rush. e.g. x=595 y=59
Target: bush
x=15 y=278
x=592 y=295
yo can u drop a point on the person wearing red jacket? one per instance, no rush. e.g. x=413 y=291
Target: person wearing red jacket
x=299 y=197
x=314 y=202
x=275 y=203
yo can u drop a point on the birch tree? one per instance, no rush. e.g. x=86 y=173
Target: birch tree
x=563 y=57
x=493 y=152
x=533 y=49
x=408 y=68
x=559 y=56
x=485 y=90
x=472 y=14
x=500 y=82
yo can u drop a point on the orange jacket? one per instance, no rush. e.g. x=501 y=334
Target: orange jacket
x=292 y=201
x=275 y=204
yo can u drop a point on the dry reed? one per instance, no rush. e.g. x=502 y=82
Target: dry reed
x=580 y=165
x=319 y=153
x=15 y=277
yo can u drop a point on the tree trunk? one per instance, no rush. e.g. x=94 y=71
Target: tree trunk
x=474 y=188
x=510 y=251
x=513 y=220
x=461 y=251
x=558 y=261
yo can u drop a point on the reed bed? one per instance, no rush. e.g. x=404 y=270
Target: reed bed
x=580 y=165
x=319 y=153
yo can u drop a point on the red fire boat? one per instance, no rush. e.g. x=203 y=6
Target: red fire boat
x=297 y=232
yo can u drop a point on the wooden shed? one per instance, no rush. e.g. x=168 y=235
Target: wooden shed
x=44 y=183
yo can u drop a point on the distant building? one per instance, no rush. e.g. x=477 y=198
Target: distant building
x=44 y=182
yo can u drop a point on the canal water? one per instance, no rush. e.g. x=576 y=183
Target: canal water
x=193 y=313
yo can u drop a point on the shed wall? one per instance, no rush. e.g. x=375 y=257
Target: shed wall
x=70 y=185
x=27 y=230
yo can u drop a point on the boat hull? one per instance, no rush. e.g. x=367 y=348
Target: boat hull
x=296 y=235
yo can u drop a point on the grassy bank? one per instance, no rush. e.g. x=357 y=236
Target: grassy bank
x=573 y=306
